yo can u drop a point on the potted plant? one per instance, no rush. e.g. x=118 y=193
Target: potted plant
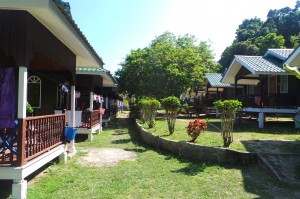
x=29 y=109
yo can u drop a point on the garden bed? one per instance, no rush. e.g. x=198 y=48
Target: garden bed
x=196 y=151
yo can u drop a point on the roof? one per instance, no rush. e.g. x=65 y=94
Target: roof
x=279 y=53
x=66 y=10
x=260 y=65
x=54 y=15
x=256 y=65
x=108 y=80
x=214 y=79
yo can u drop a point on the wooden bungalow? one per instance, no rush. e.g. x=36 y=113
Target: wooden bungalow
x=90 y=83
x=215 y=89
x=41 y=47
x=268 y=87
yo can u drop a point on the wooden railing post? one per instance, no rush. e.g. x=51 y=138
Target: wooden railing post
x=91 y=118
x=21 y=152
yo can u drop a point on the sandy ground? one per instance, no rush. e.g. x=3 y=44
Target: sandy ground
x=106 y=157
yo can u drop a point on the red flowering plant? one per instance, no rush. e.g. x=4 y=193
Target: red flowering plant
x=195 y=128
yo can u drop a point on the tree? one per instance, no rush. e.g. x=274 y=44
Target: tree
x=295 y=40
x=132 y=75
x=237 y=48
x=271 y=40
x=281 y=25
x=249 y=29
x=169 y=66
x=286 y=20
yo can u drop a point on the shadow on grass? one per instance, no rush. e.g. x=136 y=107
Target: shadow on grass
x=255 y=180
x=121 y=141
x=192 y=169
x=272 y=146
x=270 y=127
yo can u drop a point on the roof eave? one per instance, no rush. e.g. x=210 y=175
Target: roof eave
x=63 y=27
x=293 y=56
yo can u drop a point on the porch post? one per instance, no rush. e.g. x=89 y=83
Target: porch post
x=22 y=99
x=90 y=135
x=101 y=106
x=261 y=120
x=19 y=186
x=19 y=189
x=72 y=149
x=106 y=102
x=91 y=101
x=261 y=92
x=22 y=92
x=235 y=87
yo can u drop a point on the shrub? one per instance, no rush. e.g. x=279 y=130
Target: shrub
x=134 y=112
x=148 y=109
x=172 y=105
x=194 y=128
x=227 y=108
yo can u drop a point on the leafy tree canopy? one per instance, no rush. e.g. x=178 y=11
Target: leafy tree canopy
x=280 y=30
x=169 y=66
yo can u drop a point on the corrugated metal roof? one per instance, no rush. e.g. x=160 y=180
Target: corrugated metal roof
x=214 y=80
x=92 y=70
x=279 y=53
x=283 y=52
x=67 y=13
x=259 y=64
x=105 y=74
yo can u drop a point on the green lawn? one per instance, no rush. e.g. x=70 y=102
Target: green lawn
x=155 y=174
x=246 y=134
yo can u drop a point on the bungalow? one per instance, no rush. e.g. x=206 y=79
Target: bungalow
x=268 y=87
x=41 y=49
x=90 y=83
x=215 y=89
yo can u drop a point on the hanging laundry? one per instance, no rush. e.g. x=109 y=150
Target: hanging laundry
x=7 y=98
x=77 y=94
x=63 y=89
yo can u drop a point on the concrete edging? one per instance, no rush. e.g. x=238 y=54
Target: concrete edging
x=196 y=151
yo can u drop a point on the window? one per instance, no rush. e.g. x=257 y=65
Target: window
x=34 y=91
x=250 y=89
x=284 y=84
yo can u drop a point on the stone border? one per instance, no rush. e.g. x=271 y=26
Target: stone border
x=196 y=151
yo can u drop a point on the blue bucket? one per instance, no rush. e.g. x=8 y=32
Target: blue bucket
x=70 y=133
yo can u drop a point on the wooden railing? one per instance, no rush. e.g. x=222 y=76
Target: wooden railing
x=35 y=136
x=273 y=101
x=90 y=118
x=8 y=149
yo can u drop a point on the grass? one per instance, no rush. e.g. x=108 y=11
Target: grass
x=246 y=134
x=155 y=174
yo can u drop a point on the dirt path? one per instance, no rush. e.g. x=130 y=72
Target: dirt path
x=106 y=157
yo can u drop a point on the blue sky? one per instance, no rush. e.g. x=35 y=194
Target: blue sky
x=114 y=27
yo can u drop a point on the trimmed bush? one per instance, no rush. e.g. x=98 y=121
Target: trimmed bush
x=148 y=108
x=172 y=105
x=227 y=108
